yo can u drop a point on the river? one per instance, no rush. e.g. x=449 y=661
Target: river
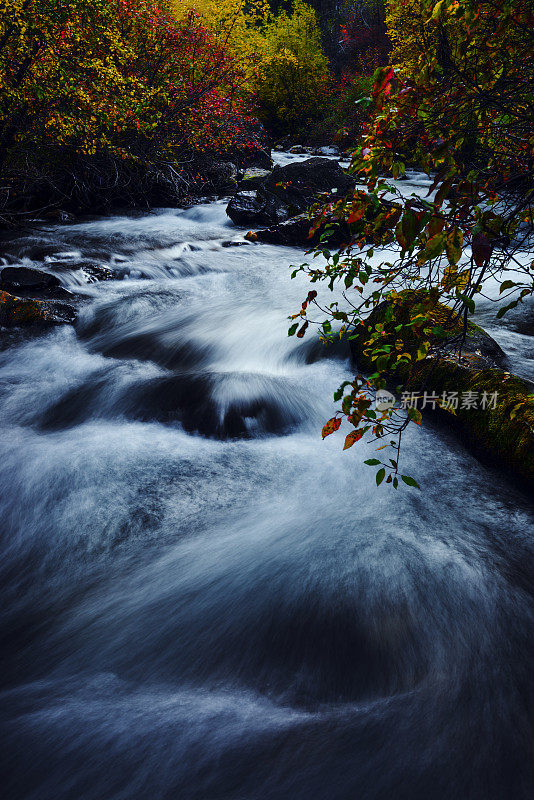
x=201 y=599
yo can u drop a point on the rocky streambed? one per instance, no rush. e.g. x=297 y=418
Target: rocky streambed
x=202 y=599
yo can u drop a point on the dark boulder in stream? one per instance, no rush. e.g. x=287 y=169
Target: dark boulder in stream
x=288 y=191
x=502 y=429
x=19 y=311
x=27 y=279
x=32 y=283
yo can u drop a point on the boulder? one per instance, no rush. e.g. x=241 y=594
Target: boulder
x=96 y=272
x=260 y=157
x=288 y=191
x=222 y=176
x=249 y=208
x=502 y=432
x=293 y=232
x=297 y=149
x=92 y=271
x=253 y=178
x=25 y=278
x=327 y=150
x=18 y=311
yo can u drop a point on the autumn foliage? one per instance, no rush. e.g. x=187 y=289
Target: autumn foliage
x=124 y=80
x=458 y=101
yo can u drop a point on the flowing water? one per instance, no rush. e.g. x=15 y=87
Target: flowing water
x=204 y=601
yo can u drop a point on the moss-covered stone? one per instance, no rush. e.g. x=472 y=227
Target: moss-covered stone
x=20 y=311
x=505 y=433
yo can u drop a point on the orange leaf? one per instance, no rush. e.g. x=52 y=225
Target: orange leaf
x=331 y=426
x=356 y=214
x=352 y=438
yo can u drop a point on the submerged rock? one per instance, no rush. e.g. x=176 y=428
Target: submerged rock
x=288 y=191
x=92 y=271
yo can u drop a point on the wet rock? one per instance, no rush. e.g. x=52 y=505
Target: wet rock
x=253 y=178
x=293 y=232
x=251 y=208
x=32 y=283
x=297 y=149
x=503 y=431
x=16 y=278
x=288 y=191
x=327 y=150
x=92 y=271
x=222 y=175
x=261 y=158
x=39 y=252
x=59 y=313
x=17 y=311
x=96 y=272
x=191 y=400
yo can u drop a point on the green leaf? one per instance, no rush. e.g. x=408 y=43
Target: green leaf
x=338 y=394
x=502 y=311
x=372 y=462
x=453 y=246
x=433 y=248
x=415 y=415
x=293 y=329
x=410 y=481
x=380 y=476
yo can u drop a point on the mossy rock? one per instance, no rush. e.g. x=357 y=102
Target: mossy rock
x=21 y=311
x=504 y=434
x=253 y=178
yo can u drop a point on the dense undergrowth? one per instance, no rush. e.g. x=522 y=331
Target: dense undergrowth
x=132 y=101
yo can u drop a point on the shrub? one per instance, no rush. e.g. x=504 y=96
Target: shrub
x=463 y=110
x=347 y=113
x=293 y=80
x=113 y=79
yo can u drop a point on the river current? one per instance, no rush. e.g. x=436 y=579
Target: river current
x=201 y=599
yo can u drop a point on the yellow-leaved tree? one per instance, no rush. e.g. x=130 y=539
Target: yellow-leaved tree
x=236 y=24
x=281 y=55
x=293 y=80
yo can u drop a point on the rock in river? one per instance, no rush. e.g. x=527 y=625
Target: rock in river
x=17 y=278
x=288 y=191
x=18 y=311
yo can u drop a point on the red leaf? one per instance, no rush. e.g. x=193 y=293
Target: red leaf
x=482 y=249
x=352 y=438
x=302 y=331
x=331 y=426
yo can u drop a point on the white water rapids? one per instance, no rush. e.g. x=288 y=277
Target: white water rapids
x=201 y=599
